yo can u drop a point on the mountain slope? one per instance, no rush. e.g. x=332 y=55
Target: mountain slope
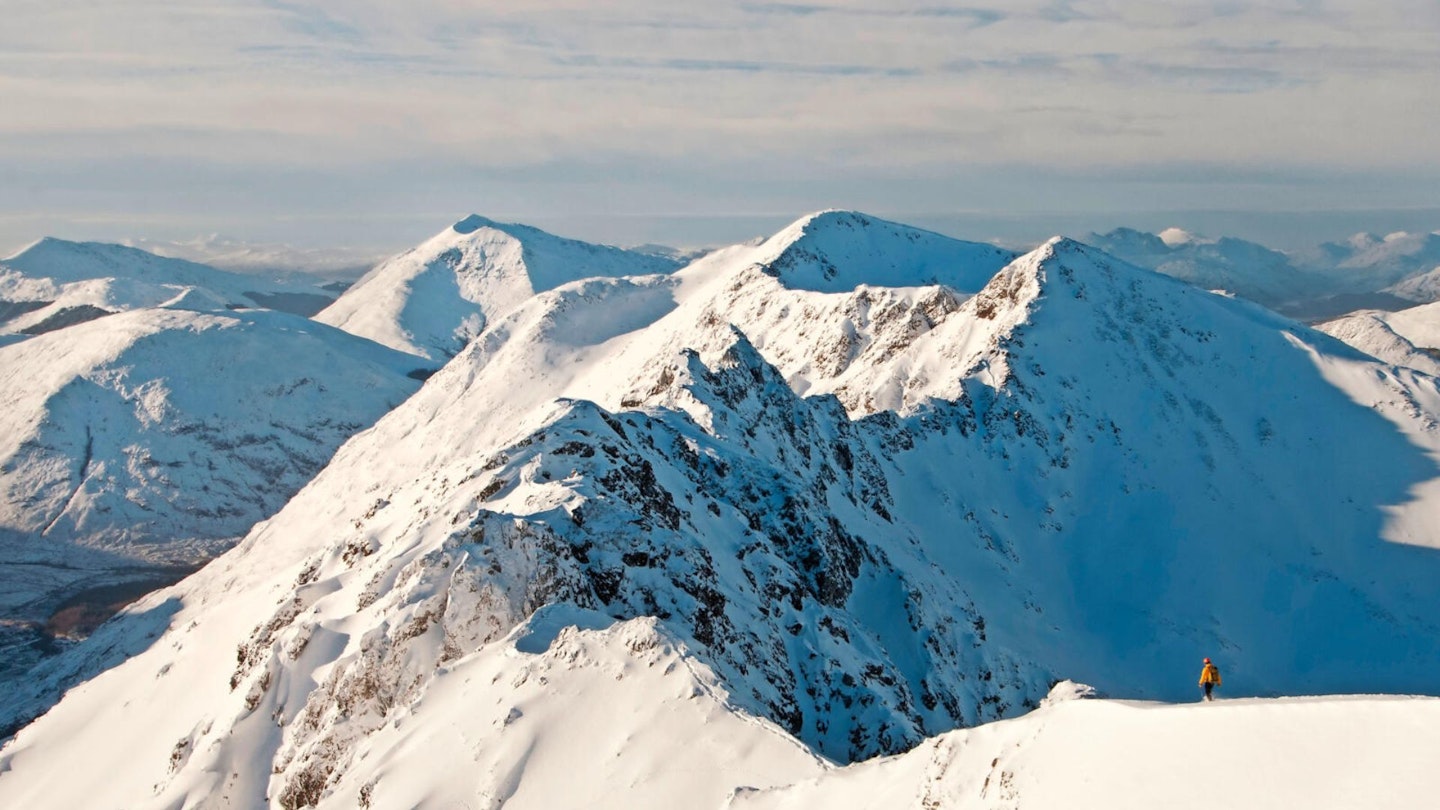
x=1410 y=337
x=431 y=300
x=1085 y=754
x=1373 y=333
x=156 y=437
x=1070 y=473
x=1423 y=287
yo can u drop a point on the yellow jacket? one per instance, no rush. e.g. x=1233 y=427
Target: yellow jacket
x=1210 y=674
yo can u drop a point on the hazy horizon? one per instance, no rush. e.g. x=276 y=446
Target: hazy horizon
x=347 y=123
x=1286 y=231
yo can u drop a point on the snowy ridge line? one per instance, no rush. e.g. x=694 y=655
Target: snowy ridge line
x=1276 y=753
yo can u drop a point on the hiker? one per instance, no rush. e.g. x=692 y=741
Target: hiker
x=1209 y=678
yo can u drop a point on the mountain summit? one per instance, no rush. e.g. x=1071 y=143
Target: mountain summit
x=431 y=300
x=837 y=251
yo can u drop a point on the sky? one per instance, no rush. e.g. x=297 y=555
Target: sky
x=374 y=124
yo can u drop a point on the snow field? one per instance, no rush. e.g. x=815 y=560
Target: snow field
x=1326 y=753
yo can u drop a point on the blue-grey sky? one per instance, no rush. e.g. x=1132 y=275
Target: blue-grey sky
x=375 y=123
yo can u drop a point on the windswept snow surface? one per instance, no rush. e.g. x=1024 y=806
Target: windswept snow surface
x=1410 y=337
x=40 y=285
x=1419 y=325
x=1080 y=470
x=1423 y=288
x=1335 y=752
x=431 y=300
x=1373 y=332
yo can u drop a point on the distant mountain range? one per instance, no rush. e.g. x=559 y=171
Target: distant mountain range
x=1366 y=272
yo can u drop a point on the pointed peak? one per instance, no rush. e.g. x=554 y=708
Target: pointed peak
x=479 y=227
x=836 y=251
x=1057 y=247
x=46 y=245
x=24 y=250
x=1179 y=237
x=832 y=219
x=842 y=217
x=473 y=223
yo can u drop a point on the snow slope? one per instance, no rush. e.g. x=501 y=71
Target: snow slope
x=429 y=301
x=1410 y=337
x=1420 y=325
x=1371 y=332
x=1083 y=470
x=54 y=283
x=1423 y=287
x=1364 y=751
x=157 y=437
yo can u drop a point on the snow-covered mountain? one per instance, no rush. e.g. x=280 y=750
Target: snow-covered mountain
x=1422 y=288
x=55 y=283
x=1369 y=262
x=793 y=481
x=1379 y=334
x=1310 y=286
x=1410 y=337
x=431 y=300
x=151 y=440
x=1389 y=273
x=1247 y=269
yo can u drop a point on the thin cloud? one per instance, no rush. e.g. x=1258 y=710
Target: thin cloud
x=977 y=16
x=730 y=66
x=312 y=21
x=682 y=95
x=1198 y=78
